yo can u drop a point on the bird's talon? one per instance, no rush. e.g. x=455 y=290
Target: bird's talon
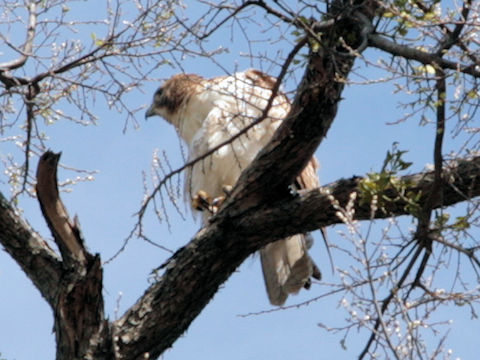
x=202 y=201
x=217 y=202
x=227 y=189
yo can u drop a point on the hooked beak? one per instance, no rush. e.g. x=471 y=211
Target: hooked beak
x=150 y=112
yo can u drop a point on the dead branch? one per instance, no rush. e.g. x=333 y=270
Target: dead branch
x=65 y=232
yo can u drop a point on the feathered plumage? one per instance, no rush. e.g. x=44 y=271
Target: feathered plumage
x=208 y=112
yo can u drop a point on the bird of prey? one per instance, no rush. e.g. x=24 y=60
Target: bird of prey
x=208 y=112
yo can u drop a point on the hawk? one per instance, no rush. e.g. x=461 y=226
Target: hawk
x=208 y=112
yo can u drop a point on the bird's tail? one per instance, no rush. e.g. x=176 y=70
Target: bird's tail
x=287 y=267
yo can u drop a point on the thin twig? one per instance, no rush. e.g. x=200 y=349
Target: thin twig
x=26 y=51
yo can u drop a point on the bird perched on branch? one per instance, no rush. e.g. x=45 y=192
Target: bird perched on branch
x=209 y=112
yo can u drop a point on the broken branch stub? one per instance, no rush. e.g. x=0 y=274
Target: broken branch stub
x=65 y=231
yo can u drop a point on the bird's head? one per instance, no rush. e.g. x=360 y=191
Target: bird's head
x=159 y=105
x=172 y=95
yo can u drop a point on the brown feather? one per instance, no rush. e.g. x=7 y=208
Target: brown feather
x=177 y=90
x=308 y=178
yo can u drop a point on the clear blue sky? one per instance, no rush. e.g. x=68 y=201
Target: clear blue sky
x=356 y=144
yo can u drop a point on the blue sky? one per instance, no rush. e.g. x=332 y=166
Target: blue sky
x=356 y=144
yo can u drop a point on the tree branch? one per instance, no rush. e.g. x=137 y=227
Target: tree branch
x=426 y=58
x=313 y=111
x=27 y=47
x=313 y=208
x=80 y=326
x=260 y=210
x=72 y=287
x=5 y=75
x=36 y=258
x=451 y=37
x=194 y=273
x=65 y=232
x=424 y=234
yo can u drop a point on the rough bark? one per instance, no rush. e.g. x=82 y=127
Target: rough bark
x=194 y=273
x=80 y=327
x=72 y=284
x=66 y=234
x=313 y=110
x=216 y=252
x=32 y=253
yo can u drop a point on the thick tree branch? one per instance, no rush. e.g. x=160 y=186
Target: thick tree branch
x=260 y=210
x=194 y=273
x=80 y=327
x=39 y=262
x=72 y=287
x=313 y=208
x=313 y=111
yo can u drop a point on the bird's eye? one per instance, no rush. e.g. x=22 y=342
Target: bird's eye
x=159 y=92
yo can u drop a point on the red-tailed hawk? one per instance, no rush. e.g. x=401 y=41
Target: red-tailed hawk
x=207 y=112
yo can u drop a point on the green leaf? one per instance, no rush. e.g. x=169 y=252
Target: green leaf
x=461 y=223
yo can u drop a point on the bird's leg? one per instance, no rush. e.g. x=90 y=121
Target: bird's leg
x=203 y=201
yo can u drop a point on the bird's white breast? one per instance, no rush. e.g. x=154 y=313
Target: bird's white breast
x=227 y=107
